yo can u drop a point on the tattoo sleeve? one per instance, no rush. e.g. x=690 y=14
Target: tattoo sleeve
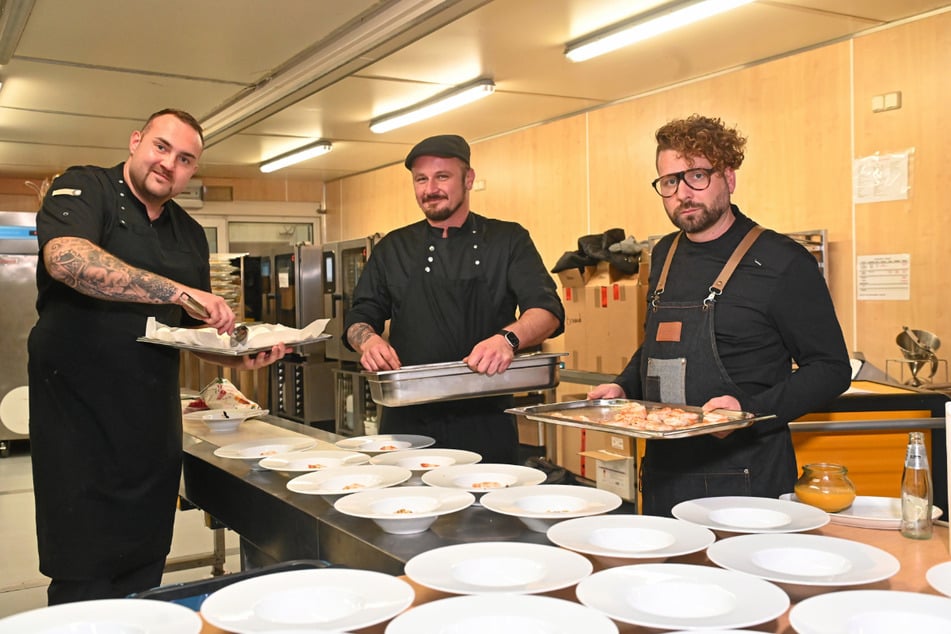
x=89 y=269
x=358 y=333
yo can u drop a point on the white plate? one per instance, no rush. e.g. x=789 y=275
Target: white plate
x=426 y=459
x=108 y=616
x=939 y=577
x=384 y=442
x=264 y=447
x=223 y=419
x=869 y=512
x=809 y=560
x=682 y=596
x=741 y=514
x=419 y=461
x=871 y=612
x=630 y=536
x=331 y=599
x=501 y=613
x=497 y=567
x=404 y=510
x=344 y=480
x=313 y=460
x=479 y=478
x=541 y=506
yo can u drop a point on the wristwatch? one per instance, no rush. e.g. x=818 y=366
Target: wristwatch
x=511 y=338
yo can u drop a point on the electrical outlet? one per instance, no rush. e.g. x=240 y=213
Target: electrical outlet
x=617 y=443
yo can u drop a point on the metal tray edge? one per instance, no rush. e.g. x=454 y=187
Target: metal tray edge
x=231 y=352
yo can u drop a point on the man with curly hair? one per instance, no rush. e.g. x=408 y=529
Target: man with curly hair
x=739 y=318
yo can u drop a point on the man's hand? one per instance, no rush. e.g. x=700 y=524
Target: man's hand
x=263 y=358
x=376 y=354
x=219 y=314
x=606 y=390
x=722 y=402
x=490 y=356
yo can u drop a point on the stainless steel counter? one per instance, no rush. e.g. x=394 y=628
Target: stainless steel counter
x=277 y=525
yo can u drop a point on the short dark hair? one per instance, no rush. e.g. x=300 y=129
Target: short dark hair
x=703 y=136
x=182 y=116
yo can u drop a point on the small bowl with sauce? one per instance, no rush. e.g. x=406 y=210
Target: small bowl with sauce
x=825 y=485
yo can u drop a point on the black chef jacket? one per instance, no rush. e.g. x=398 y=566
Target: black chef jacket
x=105 y=412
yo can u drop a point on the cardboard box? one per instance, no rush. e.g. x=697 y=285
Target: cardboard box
x=604 y=320
x=615 y=473
x=573 y=446
x=575 y=278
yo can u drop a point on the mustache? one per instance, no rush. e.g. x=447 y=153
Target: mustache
x=430 y=197
x=684 y=206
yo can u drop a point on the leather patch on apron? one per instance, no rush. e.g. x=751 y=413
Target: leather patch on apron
x=669 y=331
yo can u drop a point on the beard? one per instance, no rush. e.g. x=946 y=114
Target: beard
x=701 y=217
x=151 y=192
x=439 y=211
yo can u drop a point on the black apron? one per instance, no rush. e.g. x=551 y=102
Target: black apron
x=105 y=416
x=440 y=320
x=680 y=365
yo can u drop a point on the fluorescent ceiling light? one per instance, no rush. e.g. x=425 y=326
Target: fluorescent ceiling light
x=13 y=19
x=646 y=26
x=309 y=151
x=364 y=41
x=450 y=100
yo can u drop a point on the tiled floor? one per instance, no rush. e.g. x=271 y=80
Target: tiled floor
x=22 y=587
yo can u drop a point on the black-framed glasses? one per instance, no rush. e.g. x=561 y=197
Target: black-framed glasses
x=697 y=179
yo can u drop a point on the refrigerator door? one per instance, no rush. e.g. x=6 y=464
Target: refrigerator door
x=343 y=264
x=18 y=259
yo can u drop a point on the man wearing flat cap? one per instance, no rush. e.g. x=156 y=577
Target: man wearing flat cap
x=450 y=286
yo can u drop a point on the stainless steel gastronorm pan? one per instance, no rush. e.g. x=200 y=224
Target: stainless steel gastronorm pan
x=596 y=414
x=454 y=380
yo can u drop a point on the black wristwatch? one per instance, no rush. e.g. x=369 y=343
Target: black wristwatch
x=511 y=338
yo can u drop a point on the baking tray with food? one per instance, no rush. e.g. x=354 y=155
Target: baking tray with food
x=427 y=383
x=640 y=419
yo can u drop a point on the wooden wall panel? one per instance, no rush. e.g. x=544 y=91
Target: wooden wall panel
x=914 y=59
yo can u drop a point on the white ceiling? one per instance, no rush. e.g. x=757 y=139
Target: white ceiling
x=87 y=72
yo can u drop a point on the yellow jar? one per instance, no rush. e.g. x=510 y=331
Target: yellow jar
x=826 y=486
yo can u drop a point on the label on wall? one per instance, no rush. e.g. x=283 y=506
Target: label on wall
x=885 y=277
x=880 y=177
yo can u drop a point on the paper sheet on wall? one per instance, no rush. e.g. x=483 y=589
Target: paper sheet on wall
x=885 y=277
x=880 y=177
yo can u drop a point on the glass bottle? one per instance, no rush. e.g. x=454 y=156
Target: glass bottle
x=826 y=486
x=916 y=492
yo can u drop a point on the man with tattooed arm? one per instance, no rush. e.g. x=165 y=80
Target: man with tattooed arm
x=105 y=410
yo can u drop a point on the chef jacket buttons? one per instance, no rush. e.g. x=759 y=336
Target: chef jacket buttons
x=475 y=246
x=429 y=259
x=477 y=263
x=432 y=248
x=426 y=269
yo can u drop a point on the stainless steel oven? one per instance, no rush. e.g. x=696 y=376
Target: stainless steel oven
x=343 y=264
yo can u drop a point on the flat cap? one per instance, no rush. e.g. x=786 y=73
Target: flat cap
x=444 y=145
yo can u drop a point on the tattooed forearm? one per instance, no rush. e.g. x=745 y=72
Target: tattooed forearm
x=92 y=271
x=357 y=334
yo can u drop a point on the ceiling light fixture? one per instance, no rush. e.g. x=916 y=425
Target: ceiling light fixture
x=646 y=26
x=13 y=20
x=366 y=39
x=309 y=151
x=443 y=102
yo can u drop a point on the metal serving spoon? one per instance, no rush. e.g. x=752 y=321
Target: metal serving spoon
x=238 y=336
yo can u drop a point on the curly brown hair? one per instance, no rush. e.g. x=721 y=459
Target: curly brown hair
x=702 y=136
